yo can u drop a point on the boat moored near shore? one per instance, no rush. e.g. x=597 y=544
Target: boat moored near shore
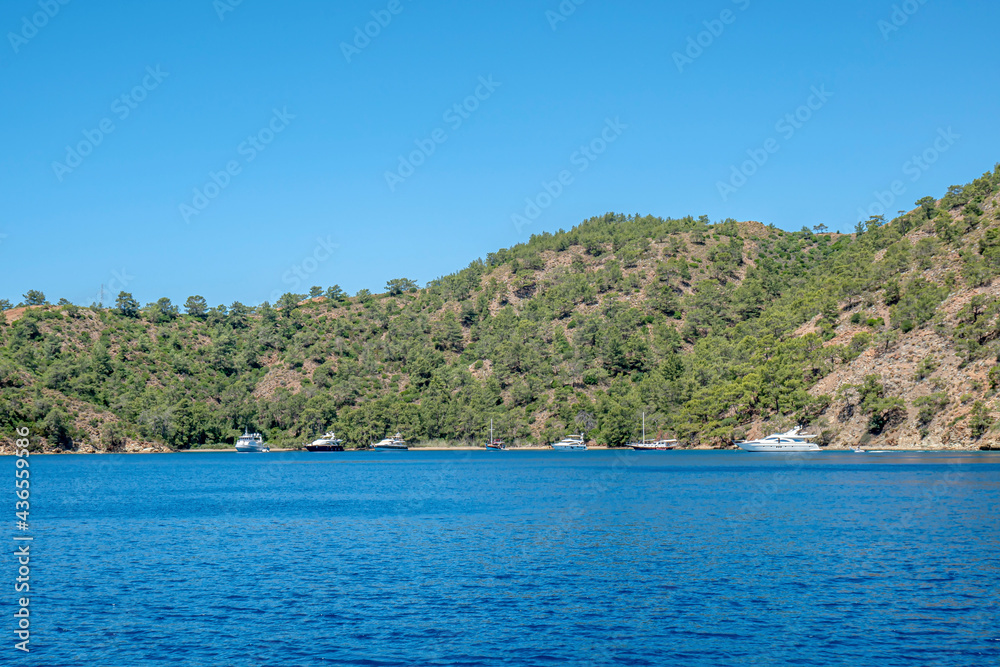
x=251 y=443
x=655 y=445
x=494 y=443
x=789 y=441
x=328 y=442
x=570 y=442
x=394 y=443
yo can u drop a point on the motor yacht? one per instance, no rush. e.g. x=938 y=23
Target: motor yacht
x=251 y=443
x=328 y=442
x=570 y=442
x=789 y=441
x=394 y=443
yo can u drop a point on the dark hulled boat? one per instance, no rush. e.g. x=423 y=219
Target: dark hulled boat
x=328 y=442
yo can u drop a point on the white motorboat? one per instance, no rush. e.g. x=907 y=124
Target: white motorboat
x=789 y=441
x=328 y=442
x=655 y=445
x=394 y=443
x=251 y=443
x=570 y=442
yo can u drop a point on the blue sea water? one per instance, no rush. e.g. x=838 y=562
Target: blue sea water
x=512 y=558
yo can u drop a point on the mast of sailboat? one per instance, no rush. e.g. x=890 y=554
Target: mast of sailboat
x=643 y=428
x=491 y=431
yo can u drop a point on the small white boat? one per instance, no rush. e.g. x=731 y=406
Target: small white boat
x=789 y=441
x=570 y=442
x=857 y=450
x=394 y=443
x=251 y=443
x=655 y=445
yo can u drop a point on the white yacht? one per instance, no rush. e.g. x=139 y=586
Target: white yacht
x=789 y=441
x=655 y=445
x=570 y=442
x=328 y=442
x=394 y=443
x=251 y=443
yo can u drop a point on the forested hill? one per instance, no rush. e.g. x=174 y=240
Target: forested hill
x=715 y=331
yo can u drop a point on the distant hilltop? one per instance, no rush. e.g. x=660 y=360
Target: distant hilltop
x=886 y=337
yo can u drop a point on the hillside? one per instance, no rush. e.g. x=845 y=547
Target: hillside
x=715 y=331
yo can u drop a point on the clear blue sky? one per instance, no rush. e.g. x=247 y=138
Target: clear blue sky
x=116 y=217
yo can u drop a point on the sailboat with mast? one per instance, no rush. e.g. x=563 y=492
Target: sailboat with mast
x=651 y=446
x=495 y=443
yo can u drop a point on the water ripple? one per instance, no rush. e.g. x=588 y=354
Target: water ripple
x=529 y=558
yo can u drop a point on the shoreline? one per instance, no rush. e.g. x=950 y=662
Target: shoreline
x=541 y=448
